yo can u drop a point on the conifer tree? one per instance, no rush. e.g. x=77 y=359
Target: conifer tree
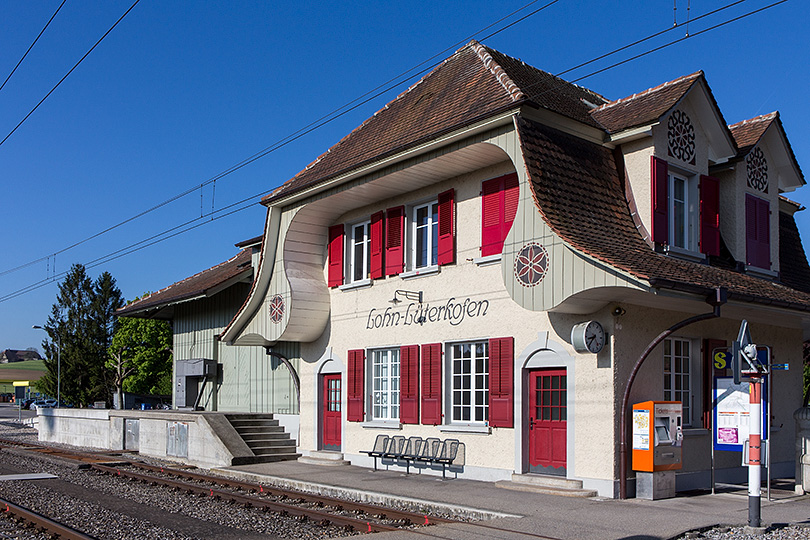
x=82 y=321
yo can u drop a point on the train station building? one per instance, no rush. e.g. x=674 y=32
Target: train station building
x=485 y=260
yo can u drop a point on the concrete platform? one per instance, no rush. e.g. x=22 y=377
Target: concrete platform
x=519 y=514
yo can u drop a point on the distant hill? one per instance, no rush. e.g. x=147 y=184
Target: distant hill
x=32 y=365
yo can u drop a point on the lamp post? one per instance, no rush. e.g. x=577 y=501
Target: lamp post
x=58 y=366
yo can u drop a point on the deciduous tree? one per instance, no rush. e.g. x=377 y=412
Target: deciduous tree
x=140 y=357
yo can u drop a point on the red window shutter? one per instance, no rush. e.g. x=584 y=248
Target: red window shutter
x=336 y=234
x=764 y=232
x=394 y=241
x=501 y=358
x=409 y=384
x=376 y=248
x=447 y=246
x=499 y=200
x=354 y=394
x=757 y=232
x=660 y=200
x=432 y=384
x=491 y=217
x=511 y=196
x=709 y=215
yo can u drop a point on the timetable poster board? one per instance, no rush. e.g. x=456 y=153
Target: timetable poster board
x=641 y=429
x=731 y=414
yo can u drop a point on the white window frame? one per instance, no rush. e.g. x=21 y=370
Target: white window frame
x=384 y=383
x=365 y=243
x=432 y=237
x=689 y=212
x=477 y=413
x=674 y=379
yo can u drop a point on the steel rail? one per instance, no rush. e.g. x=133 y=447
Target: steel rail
x=325 y=500
x=42 y=523
x=318 y=516
x=92 y=459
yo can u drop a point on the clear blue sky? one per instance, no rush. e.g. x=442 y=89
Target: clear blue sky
x=181 y=91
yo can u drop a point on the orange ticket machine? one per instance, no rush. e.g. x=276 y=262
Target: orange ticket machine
x=657 y=436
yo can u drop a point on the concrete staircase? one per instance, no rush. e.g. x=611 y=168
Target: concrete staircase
x=550 y=485
x=264 y=436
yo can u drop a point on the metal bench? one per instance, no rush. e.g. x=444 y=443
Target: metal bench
x=411 y=452
x=381 y=444
x=449 y=453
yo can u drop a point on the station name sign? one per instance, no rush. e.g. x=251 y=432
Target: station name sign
x=454 y=312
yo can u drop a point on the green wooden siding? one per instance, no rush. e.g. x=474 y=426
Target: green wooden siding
x=250 y=380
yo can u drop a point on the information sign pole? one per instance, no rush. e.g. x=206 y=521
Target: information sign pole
x=754 y=454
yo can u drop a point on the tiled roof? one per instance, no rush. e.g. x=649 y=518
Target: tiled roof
x=577 y=188
x=473 y=84
x=748 y=132
x=13 y=355
x=192 y=287
x=548 y=91
x=793 y=267
x=644 y=107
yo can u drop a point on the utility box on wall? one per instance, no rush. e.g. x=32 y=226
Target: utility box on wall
x=188 y=374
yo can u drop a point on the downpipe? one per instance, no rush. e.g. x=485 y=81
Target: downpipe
x=716 y=299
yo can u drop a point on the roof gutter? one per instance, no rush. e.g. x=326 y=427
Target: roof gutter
x=162 y=305
x=633 y=134
x=662 y=283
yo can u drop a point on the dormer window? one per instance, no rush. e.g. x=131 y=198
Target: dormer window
x=680 y=234
x=686 y=214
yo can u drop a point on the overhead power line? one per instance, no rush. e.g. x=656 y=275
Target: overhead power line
x=250 y=201
x=32 y=44
x=41 y=101
x=312 y=126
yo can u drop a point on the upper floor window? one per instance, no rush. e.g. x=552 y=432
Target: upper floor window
x=425 y=235
x=377 y=248
x=681 y=218
x=685 y=212
x=360 y=252
x=499 y=200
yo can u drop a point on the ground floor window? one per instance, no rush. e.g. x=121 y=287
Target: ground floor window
x=469 y=363
x=677 y=380
x=385 y=384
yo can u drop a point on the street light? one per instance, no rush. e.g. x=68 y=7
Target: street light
x=58 y=366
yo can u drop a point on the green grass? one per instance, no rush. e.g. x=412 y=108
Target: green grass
x=36 y=365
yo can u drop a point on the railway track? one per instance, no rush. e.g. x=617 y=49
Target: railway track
x=41 y=523
x=357 y=516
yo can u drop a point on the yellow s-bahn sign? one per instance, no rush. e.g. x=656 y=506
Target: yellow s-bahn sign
x=720 y=359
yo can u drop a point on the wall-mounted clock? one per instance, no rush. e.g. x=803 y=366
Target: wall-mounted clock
x=588 y=336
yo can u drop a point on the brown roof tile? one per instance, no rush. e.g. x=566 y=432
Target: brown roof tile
x=793 y=268
x=748 y=132
x=644 y=107
x=196 y=285
x=578 y=191
x=473 y=84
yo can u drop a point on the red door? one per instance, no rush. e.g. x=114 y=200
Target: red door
x=331 y=412
x=547 y=421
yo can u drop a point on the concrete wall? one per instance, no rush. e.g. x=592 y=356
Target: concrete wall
x=212 y=442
